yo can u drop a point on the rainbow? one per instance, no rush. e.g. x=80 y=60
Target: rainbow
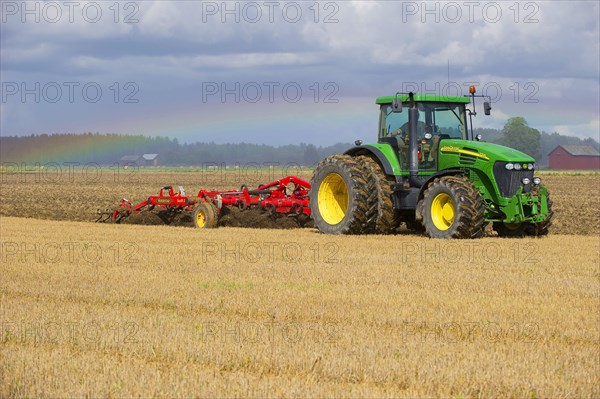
x=258 y=123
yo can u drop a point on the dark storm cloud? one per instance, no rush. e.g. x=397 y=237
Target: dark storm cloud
x=366 y=48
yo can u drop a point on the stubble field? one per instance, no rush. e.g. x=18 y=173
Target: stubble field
x=136 y=310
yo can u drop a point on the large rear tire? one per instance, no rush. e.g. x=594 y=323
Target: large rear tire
x=206 y=215
x=381 y=215
x=452 y=208
x=338 y=196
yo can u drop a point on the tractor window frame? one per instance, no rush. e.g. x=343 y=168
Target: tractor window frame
x=385 y=128
x=437 y=108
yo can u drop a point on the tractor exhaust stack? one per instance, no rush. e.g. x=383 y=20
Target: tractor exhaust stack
x=413 y=144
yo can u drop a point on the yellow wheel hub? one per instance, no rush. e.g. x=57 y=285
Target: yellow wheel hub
x=333 y=199
x=200 y=218
x=442 y=211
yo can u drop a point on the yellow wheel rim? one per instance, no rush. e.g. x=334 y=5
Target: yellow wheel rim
x=442 y=211
x=200 y=218
x=333 y=199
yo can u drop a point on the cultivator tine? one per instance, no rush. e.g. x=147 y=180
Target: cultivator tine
x=104 y=217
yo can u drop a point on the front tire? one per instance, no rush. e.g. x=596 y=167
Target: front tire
x=338 y=199
x=452 y=208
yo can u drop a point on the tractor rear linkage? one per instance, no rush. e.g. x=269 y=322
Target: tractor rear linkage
x=272 y=197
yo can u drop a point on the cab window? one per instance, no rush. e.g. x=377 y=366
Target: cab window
x=436 y=118
x=391 y=123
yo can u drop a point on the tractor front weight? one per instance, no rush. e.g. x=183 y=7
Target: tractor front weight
x=529 y=207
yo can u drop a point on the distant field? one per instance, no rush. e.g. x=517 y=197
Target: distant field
x=77 y=194
x=119 y=310
x=552 y=172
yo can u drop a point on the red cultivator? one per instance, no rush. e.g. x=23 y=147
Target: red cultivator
x=284 y=196
x=167 y=200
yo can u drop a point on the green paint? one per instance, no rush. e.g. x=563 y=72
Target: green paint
x=424 y=97
x=476 y=160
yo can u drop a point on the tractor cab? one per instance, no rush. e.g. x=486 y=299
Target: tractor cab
x=438 y=118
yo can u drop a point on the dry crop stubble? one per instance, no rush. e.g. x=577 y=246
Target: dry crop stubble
x=172 y=311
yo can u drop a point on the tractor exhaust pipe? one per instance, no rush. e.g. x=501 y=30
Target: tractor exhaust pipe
x=413 y=145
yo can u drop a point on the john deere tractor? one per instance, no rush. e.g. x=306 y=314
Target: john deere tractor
x=428 y=172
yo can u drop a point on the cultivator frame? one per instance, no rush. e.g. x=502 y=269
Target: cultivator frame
x=208 y=204
x=169 y=201
x=271 y=197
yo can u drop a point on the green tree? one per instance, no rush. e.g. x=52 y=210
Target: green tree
x=311 y=155
x=518 y=135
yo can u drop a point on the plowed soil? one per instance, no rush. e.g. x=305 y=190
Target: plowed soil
x=77 y=197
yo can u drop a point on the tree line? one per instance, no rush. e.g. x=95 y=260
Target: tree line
x=107 y=149
x=519 y=135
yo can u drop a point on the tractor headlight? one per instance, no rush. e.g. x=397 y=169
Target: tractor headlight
x=518 y=166
x=537 y=181
x=526 y=180
x=509 y=166
x=530 y=166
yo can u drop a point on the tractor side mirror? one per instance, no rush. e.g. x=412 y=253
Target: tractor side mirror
x=396 y=105
x=487 y=108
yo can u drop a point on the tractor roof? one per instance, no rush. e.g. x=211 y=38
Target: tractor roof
x=425 y=97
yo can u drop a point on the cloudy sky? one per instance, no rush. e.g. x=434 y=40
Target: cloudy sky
x=286 y=72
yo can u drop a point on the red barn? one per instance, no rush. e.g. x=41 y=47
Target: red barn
x=574 y=157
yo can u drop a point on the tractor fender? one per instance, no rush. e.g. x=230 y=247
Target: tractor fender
x=445 y=172
x=374 y=152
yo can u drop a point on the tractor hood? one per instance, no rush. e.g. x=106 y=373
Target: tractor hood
x=482 y=150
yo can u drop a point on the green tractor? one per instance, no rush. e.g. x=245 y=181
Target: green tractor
x=427 y=171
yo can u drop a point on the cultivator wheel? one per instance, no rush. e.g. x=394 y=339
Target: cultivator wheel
x=382 y=218
x=339 y=197
x=452 y=208
x=206 y=215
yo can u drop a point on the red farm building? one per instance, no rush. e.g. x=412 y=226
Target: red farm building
x=574 y=157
